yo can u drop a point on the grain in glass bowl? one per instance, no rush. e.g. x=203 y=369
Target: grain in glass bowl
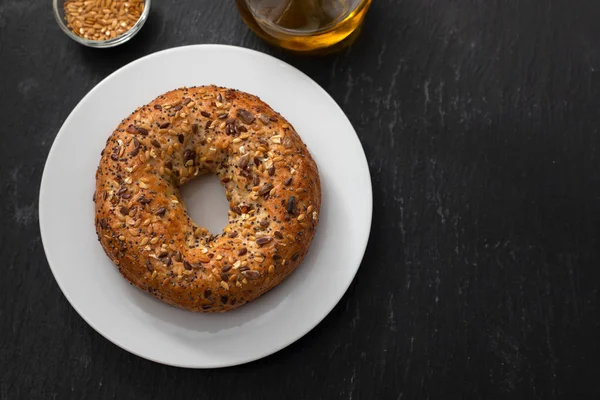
x=101 y=23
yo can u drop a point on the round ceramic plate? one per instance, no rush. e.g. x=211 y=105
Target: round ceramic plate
x=142 y=324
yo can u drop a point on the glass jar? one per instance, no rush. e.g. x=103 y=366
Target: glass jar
x=305 y=25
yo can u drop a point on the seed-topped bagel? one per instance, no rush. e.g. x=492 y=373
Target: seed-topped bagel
x=271 y=182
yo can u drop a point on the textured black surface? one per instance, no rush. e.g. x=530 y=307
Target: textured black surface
x=480 y=122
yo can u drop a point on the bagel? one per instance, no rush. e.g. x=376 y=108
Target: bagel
x=271 y=182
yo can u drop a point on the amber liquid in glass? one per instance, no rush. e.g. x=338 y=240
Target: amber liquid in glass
x=305 y=25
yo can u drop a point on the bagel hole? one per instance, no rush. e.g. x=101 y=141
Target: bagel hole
x=206 y=202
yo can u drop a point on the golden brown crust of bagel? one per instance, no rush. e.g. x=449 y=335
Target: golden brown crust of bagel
x=271 y=182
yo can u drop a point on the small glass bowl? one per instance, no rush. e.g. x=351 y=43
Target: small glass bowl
x=59 y=15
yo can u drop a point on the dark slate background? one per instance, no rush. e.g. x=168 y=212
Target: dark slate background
x=480 y=122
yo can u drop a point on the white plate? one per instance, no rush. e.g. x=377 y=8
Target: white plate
x=138 y=322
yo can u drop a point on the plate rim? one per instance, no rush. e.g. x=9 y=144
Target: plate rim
x=302 y=332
